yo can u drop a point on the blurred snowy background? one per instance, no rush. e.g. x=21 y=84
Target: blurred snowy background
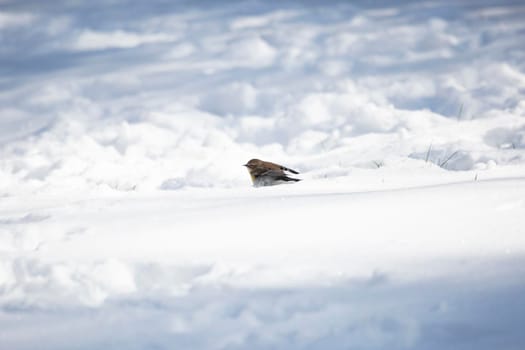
x=126 y=219
x=129 y=95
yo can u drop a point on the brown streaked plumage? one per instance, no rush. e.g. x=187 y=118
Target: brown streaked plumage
x=268 y=173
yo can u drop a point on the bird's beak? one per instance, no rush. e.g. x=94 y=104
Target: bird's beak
x=245 y=165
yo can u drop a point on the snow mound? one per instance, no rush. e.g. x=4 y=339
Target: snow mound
x=128 y=221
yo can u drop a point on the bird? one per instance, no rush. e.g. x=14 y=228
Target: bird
x=268 y=174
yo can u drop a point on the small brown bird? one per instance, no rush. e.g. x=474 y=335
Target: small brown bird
x=268 y=173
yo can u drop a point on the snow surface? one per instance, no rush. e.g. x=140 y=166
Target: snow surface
x=128 y=222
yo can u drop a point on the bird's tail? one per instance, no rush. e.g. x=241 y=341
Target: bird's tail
x=287 y=178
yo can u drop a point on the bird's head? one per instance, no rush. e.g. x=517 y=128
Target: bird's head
x=253 y=163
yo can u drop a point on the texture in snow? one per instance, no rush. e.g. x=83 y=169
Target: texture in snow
x=127 y=221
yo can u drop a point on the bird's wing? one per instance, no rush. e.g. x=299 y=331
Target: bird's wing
x=290 y=170
x=272 y=172
x=283 y=168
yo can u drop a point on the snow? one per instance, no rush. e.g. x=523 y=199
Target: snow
x=89 y=40
x=127 y=220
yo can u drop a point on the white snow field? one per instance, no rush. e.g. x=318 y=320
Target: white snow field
x=128 y=222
